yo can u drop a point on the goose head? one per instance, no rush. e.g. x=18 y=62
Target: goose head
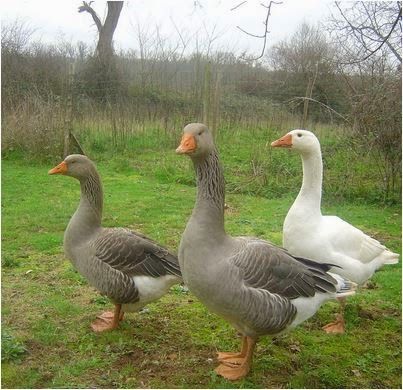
x=75 y=165
x=302 y=141
x=197 y=141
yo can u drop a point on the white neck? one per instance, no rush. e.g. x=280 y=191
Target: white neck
x=310 y=195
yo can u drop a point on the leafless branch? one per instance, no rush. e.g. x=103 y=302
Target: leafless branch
x=248 y=33
x=371 y=26
x=86 y=7
x=184 y=44
x=266 y=31
x=304 y=98
x=237 y=6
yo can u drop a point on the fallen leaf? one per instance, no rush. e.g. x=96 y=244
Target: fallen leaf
x=295 y=348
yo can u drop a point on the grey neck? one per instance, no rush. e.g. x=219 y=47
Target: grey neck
x=209 y=207
x=92 y=196
x=311 y=189
x=88 y=215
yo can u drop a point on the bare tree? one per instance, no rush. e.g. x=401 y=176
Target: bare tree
x=303 y=52
x=305 y=60
x=266 y=31
x=15 y=35
x=368 y=37
x=104 y=49
x=376 y=99
x=101 y=76
x=363 y=29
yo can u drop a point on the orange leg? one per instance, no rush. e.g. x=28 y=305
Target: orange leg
x=238 y=367
x=108 y=320
x=338 y=325
x=221 y=356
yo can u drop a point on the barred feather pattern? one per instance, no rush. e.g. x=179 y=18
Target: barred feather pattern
x=267 y=313
x=120 y=255
x=210 y=181
x=109 y=281
x=91 y=189
x=272 y=278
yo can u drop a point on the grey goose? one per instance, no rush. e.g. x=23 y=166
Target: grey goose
x=127 y=267
x=259 y=288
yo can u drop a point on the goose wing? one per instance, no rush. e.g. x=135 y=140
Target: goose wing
x=271 y=268
x=134 y=254
x=351 y=241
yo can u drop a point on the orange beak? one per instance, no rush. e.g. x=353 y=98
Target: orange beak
x=187 y=145
x=60 y=169
x=283 y=142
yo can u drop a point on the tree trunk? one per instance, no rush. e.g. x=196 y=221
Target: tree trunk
x=104 y=49
x=105 y=46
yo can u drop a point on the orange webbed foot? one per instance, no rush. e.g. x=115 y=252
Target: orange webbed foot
x=335 y=327
x=233 y=373
x=107 y=320
x=228 y=355
x=104 y=322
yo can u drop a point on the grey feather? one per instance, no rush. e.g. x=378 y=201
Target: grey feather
x=270 y=268
x=110 y=258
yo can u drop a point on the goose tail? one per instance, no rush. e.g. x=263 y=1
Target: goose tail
x=390 y=257
x=344 y=286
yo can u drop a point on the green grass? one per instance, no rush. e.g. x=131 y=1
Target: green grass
x=47 y=307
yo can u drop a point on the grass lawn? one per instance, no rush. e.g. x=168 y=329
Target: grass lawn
x=47 y=307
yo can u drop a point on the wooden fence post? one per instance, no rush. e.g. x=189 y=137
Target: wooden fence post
x=69 y=137
x=308 y=95
x=207 y=94
x=215 y=111
x=69 y=111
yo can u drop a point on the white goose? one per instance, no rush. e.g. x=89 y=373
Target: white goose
x=308 y=233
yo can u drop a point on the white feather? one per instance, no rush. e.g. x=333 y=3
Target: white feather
x=327 y=239
x=150 y=290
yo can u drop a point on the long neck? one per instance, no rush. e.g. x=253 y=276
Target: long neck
x=209 y=207
x=88 y=215
x=91 y=201
x=311 y=190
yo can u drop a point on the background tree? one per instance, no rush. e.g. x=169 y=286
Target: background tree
x=364 y=28
x=101 y=74
x=304 y=65
x=104 y=49
x=368 y=35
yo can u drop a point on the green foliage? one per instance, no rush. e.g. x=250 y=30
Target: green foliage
x=251 y=165
x=9 y=261
x=11 y=348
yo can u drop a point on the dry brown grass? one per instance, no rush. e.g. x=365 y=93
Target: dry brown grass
x=35 y=125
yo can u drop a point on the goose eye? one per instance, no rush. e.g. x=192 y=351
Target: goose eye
x=200 y=132
x=299 y=135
